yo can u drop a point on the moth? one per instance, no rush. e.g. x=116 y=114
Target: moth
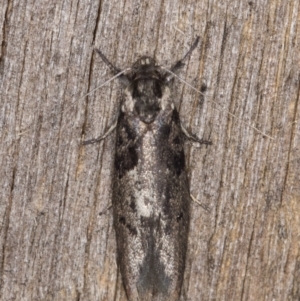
x=150 y=189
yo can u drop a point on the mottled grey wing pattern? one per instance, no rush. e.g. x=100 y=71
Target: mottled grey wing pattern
x=151 y=196
x=151 y=206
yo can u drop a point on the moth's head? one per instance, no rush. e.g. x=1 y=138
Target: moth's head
x=146 y=86
x=145 y=67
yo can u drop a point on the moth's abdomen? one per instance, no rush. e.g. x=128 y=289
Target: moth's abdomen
x=151 y=206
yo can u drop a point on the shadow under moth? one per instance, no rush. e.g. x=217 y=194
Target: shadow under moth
x=150 y=189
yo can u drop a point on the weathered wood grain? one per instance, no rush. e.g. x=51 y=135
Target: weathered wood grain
x=54 y=243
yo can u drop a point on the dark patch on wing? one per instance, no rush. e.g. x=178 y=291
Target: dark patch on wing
x=152 y=274
x=126 y=153
x=126 y=126
x=175 y=117
x=179 y=162
x=171 y=144
x=165 y=130
x=131 y=229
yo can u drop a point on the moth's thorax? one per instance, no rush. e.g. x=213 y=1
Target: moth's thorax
x=151 y=170
x=145 y=99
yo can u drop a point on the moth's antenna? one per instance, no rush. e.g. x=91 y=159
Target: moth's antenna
x=181 y=62
x=111 y=79
x=115 y=70
x=229 y=113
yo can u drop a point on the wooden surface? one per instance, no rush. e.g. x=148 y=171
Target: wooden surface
x=54 y=242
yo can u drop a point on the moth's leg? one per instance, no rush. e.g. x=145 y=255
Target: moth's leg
x=181 y=62
x=205 y=207
x=194 y=137
x=96 y=140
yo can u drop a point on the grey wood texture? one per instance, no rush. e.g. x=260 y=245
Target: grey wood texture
x=54 y=242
